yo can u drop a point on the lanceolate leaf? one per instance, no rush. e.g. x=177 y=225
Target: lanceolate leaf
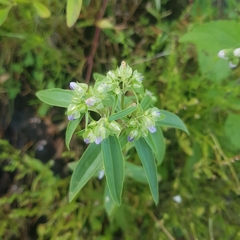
x=88 y=164
x=172 y=120
x=72 y=125
x=73 y=10
x=56 y=97
x=122 y=113
x=114 y=167
x=157 y=144
x=42 y=10
x=146 y=156
x=4 y=14
x=146 y=102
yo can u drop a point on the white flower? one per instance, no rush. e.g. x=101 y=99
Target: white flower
x=101 y=174
x=236 y=52
x=92 y=101
x=222 y=54
x=232 y=65
x=177 y=199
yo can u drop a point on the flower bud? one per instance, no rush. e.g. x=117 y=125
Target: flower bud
x=222 y=54
x=236 y=52
x=88 y=136
x=149 y=124
x=133 y=134
x=115 y=127
x=79 y=88
x=92 y=101
x=234 y=62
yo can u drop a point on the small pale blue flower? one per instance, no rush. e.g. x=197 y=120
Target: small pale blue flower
x=98 y=140
x=152 y=129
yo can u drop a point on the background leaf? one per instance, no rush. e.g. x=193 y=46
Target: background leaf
x=4 y=14
x=42 y=10
x=56 y=97
x=172 y=120
x=232 y=129
x=146 y=156
x=88 y=164
x=214 y=36
x=135 y=172
x=114 y=167
x=73 y=10
x=109 y=204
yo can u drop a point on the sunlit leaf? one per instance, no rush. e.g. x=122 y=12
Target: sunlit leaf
x=88 y=164
x=105 y=24
x=98 y=76
x=172 y=120
x=42 y=10
x=73 y=10
x=56 y=97
x=146 y=156
x=4 y=14
x=114 y=167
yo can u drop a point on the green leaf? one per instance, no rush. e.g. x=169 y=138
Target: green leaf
x=122 y=113
x=4 y=14
x=109 y=204
x=232 y=129
x=146 y=102
x=135 y=172
x=171 y=120
x=114 y=167
x=146 y=156
x=42 y=10
x=73 y=10
x=5 y=2
x=72 y=125
x=88 y=164
x=157 y=144
x=98 y=76
x=214 y=36
x=56 y=97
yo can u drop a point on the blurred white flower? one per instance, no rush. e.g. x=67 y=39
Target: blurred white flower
x=236 y=52
x=177 y=199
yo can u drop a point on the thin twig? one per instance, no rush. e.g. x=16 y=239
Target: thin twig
x=90 y=58
x=160 y=224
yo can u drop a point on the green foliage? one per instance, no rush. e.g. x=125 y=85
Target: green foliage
x=133 y=124
x=73 y=11
x=198 y=179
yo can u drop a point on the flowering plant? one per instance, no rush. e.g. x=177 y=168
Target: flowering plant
x=127 y=118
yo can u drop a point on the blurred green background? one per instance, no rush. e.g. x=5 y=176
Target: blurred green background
x=175 y=45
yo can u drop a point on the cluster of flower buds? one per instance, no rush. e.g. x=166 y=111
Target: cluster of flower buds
x=101 y=129
x=116 y=83
x=142 y=123
x=232 y=55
